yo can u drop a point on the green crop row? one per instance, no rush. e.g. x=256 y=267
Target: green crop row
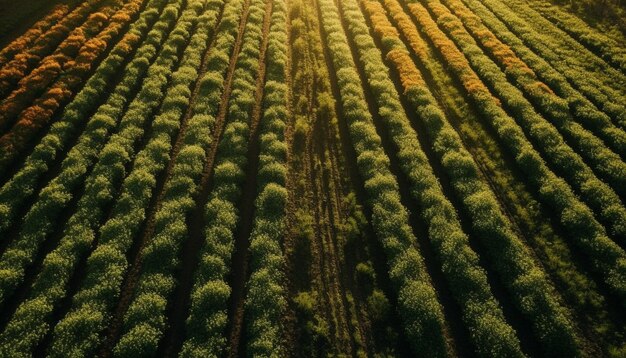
x=38 y=114
x=19 y=189
x=588 y=115
x=531 y=289
x=168 y=84
x=601 y=44
x=30 y=323
x=565 y=162
x=417 y=301
x=566 y=62
x=266 y=300
x=207 y=319
x=584 y=230
x=144 y=322
x=40 y=220
x=467 y=280
x=587 y=60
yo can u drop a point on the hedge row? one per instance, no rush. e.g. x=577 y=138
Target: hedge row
x=564 y=161
x=584 y=230
x=38 y=114
x=166 y=85
x=35 y=32
x=30 y=323
x=587 y=114
x=529 y=286
x=266 y=299
x=101 y=185
x=565 y=62
x=81 y=157
x=31 y=56
x=207 y=319
x=417 y=301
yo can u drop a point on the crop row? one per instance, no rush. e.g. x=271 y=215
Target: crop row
x=417 y=300
x=16 y=192
x=598 y=195
x=33 y=33
x=494 y=13
x=123 y=226
x=587 y=113
x=596 y=41
x=467 y=280
x=40 y=220
x=607 y=163
x=34 y=83
x=30 y=322
x=266 y=299
x=606 y=257
x=38 y=114
x=101 y=185
x=523 y=277
x=30 y=56
x=610 y=77
x=528 y=217
x=209 y=296
x=166 y=85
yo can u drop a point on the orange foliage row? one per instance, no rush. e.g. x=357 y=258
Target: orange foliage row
x=30 y=36
x=409 y=75
x=500 y=51
x=454 y=57
x=30 y=56
x=35 y=117
x=51 y=67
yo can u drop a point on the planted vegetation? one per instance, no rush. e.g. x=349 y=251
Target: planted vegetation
x=277 y=178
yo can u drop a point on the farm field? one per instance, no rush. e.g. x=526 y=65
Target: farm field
x=308 y=178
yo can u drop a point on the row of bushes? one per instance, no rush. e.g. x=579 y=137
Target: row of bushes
x=64 y=57
x=610 y=76
x=178 y=197
x=606 y=163
x=101 y=185
x=570 y=63
x=565 y=161
x=30 y=323
x=38 y=114
x=53 y=199
x=604 y=46
x=166 y=85
x=266 y=299
x=532 y=292
x=30 y=57
x=482 y=314
x=19 y=189
x=584 y=230
x=587 y=114
x=206 y=324
x=34 y=32
x=417 y=300
x=525 y=212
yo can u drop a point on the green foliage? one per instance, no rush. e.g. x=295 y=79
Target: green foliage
x=423 y=317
